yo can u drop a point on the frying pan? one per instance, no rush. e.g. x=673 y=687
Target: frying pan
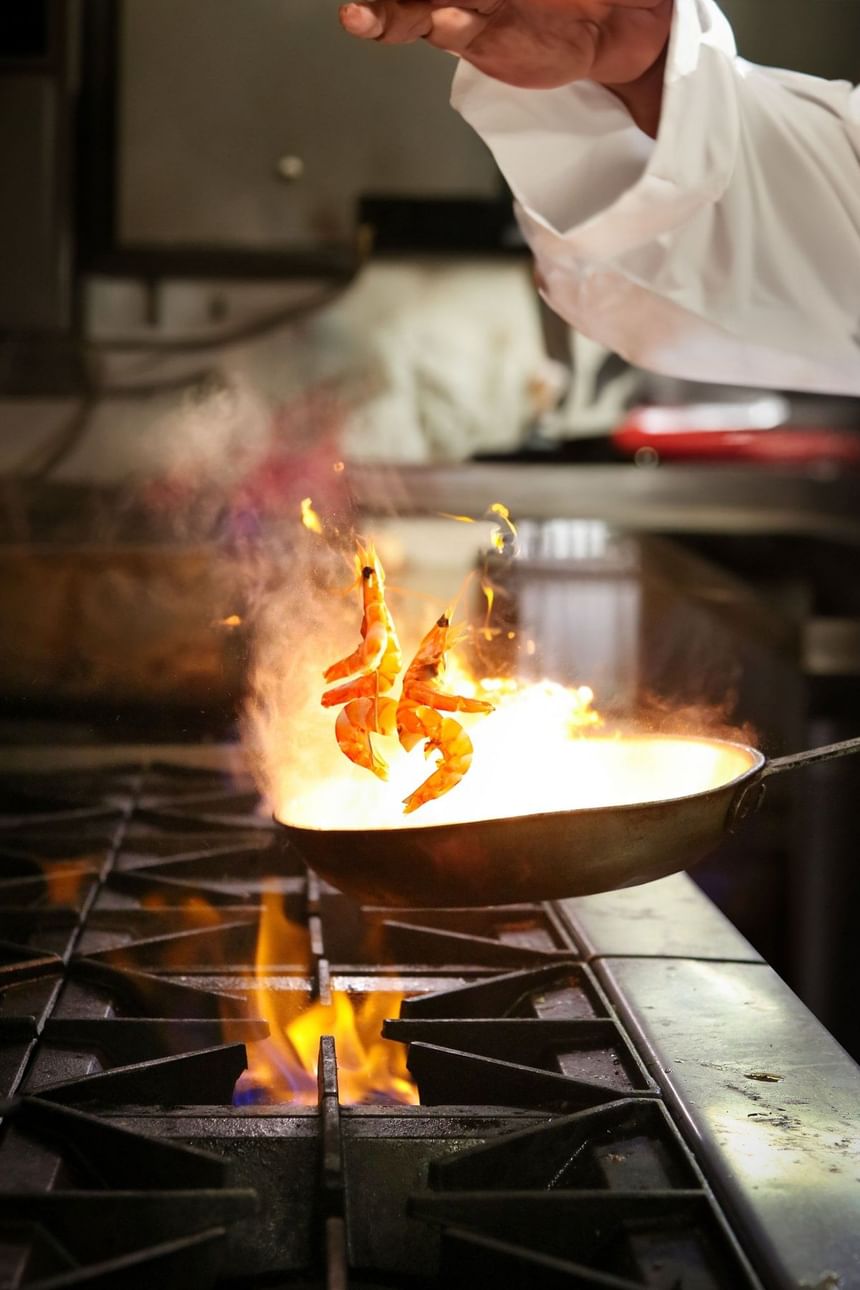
x=545 y=856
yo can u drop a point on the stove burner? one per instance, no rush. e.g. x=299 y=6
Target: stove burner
x=541 y=1153
x=84 y=1202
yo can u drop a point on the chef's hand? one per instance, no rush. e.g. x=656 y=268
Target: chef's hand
x=538 y=44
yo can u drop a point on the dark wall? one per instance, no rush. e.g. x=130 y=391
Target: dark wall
x=817 y=36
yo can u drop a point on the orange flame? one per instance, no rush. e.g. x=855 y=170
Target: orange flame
x=64 y=880
x=543 y=748
x=501 y=533
x=487 y=631
x=310 y=519
x=505 y=531
x=232 y=620
x=196 y=912
x=283 y=1067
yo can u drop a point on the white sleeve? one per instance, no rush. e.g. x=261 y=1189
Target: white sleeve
x=726 y=250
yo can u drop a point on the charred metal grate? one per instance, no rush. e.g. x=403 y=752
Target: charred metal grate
x=130 y=900
x=608 y=1193
x=84 y=1202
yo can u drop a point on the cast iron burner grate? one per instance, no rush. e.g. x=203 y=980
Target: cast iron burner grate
x=541 y=1153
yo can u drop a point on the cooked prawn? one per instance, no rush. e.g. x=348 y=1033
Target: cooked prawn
x=443 y=735
x=377 y=660
x=373 y=666
x=360 y=719
x=418 y=716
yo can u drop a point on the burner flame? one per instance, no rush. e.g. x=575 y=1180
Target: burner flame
x=283 y=1068
x=65 y=879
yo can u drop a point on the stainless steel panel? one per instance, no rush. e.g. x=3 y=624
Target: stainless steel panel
x=769 y=1101
x=690 y=499
x=669 y=917
x=259 y=123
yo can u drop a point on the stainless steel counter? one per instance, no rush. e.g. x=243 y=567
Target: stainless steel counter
x=692 y=499
x=769 y=1102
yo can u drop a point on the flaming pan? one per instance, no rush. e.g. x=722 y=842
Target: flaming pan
x=550 y=855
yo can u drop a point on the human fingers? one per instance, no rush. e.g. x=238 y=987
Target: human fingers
x=360 y=20
x=455 y=28
x=392 y=22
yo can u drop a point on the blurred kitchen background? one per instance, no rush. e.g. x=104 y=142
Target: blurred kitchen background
x=237 y=248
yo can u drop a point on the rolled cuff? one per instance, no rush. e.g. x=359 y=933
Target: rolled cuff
x=588 y=183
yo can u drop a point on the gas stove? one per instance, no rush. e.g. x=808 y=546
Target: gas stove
x=611 y=1092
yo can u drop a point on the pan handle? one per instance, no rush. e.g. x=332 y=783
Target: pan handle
x=795 y=760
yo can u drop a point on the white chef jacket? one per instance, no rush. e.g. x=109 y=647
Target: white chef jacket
x=726 y=250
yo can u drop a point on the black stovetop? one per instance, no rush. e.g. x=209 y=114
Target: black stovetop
x=136 y=1145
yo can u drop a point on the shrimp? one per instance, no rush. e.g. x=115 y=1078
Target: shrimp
x=376 y=662
x=443 y=735
x=374 y=666
x=418 y=717
x=360 y=719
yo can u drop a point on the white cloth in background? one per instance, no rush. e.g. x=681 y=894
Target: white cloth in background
x=726 y=250
x=424 y=361
x=448 y=367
